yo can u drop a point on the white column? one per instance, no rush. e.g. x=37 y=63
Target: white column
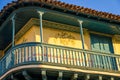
x=82 y=39
x=41 y=33
x=81 y=33
x=41 y=26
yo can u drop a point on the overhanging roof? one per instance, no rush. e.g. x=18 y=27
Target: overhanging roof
x=64 y=7
x=91 y=19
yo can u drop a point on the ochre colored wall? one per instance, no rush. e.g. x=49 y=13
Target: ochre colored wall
x=116 y=44
x=62 y=37
x=87 y=39
x=29 y=36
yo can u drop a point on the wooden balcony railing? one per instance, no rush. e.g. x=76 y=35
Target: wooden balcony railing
x=40 y=52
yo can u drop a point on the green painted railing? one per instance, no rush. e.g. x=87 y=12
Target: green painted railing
x=40 y=52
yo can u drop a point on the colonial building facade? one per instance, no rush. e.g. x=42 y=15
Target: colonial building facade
x=53 y=40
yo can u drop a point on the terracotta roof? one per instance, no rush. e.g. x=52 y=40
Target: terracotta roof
x=65 y=6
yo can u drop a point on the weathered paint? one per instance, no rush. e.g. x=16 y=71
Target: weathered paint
x=115 y=41
x=62 y=37
x=116 y=44
x=57 y=37
x=29 y=36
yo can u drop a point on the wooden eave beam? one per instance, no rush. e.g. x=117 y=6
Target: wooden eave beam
x=87 y=77
x=74 y=77
x=13 y=78
x=100 y=77
x=44 y=76
x=112 y=78
x=26 y=75
x=60 y=75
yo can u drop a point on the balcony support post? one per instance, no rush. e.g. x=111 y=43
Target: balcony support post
x=74 y=77
x=60 y=75
x=41 y=26
x=81 y=33
x=13 y=30
x=44 y=77
x=82 y=39
x=41 y=32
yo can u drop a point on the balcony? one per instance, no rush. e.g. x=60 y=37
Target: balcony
x=41 y=53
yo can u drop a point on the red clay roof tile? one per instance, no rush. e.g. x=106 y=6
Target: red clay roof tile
x=67 y=6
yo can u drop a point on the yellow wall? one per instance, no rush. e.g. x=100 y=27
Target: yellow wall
x=116 y=44
x=57 y=37
x=62 y=37
x=29 y=36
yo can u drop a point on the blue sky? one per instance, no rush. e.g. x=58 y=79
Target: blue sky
x=111 y=6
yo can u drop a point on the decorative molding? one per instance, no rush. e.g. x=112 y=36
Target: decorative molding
x=64 y=35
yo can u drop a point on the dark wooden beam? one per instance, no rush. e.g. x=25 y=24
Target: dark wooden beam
x=100 y=77
x=112 y=78
x=60 y=75
x=13 y=78
x=44 y=76
x=74 y=77
x=26 y=75
x=87 y=77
